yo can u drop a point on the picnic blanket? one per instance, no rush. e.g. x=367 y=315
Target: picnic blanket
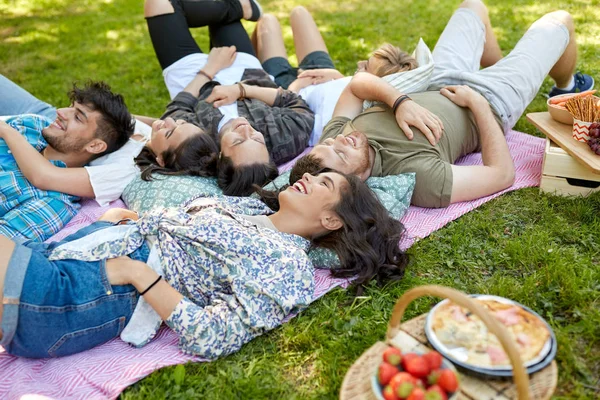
x=105 y=371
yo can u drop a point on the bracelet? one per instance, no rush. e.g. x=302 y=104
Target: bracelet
x=210 y=78
x=151 y=286
x=399 y=101
x=242 y=92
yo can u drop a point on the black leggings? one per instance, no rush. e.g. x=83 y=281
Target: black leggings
x=171 y=37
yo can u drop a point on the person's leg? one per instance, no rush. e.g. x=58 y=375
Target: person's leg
x=199 y=13
x=491 y=50
x=15 y=100
x=269 y=38
x=232 y=34
x=307 y=38
x=169 y=32
x=548 y=47
x=563 y=70
x=271 y=51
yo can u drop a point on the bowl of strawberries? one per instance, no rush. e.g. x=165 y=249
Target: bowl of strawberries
x=413 y=376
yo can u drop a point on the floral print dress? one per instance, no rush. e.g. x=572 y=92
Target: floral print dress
x=238 y=279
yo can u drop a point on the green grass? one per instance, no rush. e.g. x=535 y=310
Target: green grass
x=540 y=250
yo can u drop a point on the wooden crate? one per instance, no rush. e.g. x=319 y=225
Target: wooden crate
x=563 y=175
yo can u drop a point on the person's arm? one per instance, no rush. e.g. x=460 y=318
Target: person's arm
x=145 y=119
x=210 y=331
x=321 y=75
x=228 y=94
x=498 y=170
x=219 y=58
x=42 y=173
x=37 y=219
x=365 y=86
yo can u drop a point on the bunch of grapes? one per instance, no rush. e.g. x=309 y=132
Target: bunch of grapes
x=594 y=141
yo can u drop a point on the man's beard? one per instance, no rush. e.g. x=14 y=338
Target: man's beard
x=365 y=163
x=62 y=145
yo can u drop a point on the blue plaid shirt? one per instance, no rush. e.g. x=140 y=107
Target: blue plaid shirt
x=26 y=211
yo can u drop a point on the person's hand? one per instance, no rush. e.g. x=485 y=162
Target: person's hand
x=118 y=214
x=223 y=95
x=463 y=96
x=321 y=75
x=219 y=58
x=300 y=83
x=410 y=114
x=3 y=128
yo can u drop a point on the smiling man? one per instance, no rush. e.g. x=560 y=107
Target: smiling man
x=96 y=123
x=465 y=109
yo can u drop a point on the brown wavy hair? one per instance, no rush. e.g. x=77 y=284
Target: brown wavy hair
x=367 y=244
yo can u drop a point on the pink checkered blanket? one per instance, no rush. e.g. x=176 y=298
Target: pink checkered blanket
x=107 y=370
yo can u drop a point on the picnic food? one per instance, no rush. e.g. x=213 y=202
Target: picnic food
x=560 y=100
x=594 y=140
x=418 y=381
x=392 y=356
x=583 y=108
x=456 y=327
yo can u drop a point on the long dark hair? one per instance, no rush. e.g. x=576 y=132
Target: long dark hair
x=197 y=155
x=367 y=244
x=241 y=180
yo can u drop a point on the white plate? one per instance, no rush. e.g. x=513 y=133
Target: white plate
x=459 y=354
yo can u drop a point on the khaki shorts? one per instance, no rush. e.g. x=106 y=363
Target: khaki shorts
x=514 y=81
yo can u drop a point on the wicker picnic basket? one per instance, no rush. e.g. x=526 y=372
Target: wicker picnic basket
x=410 y=336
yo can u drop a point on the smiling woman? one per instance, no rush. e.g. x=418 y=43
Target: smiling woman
x=217 y=293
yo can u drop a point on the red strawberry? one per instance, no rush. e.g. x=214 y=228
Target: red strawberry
x=389 y=393
x=399 y=379
x=406 y=358
x=405 y=389
x=434 y=359
x=435 y=393
x=386 y=372
x=417 y=367
x=417 y=394
x=392 y=355
x=448 y=381
x=433 y=377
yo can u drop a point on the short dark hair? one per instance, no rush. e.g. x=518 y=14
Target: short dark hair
x=368 y=243
x=240 y=180
x=309 y=163
x=116 y=124
x=196 y=156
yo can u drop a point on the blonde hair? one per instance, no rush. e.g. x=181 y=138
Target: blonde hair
x=395 y=60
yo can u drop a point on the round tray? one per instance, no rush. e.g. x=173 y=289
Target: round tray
x=506 y=372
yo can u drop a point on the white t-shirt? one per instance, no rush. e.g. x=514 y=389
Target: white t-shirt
x=110 y=174
x=180 y=73
x=322 y=100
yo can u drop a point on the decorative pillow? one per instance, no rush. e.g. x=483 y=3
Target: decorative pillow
x=168 y=191
x=413 y=81
x=394 y=192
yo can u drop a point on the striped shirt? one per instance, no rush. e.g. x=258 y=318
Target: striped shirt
x=26 y=211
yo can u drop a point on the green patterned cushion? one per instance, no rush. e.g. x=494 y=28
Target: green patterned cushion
x=394 y=192
x=167 y=191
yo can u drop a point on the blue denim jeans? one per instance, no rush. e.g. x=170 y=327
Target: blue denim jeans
x=15 y=100
x=65 y=306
